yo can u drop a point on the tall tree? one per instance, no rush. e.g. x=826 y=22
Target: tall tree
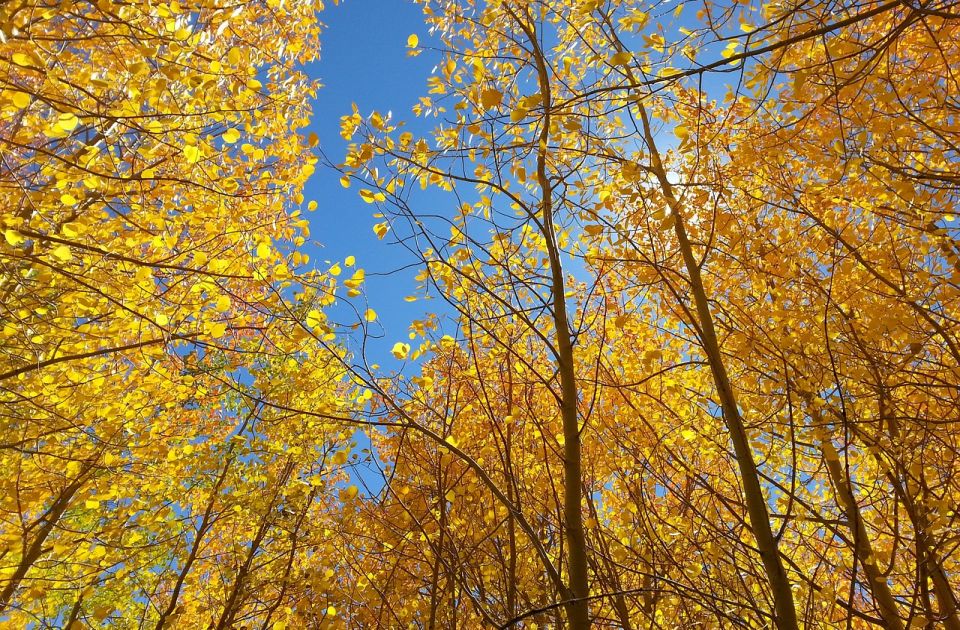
x=151 y=183
x=696 y=363
x=757 y=223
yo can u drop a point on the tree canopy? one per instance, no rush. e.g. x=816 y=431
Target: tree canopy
x=692 y=358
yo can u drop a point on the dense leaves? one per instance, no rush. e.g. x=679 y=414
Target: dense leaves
x=696 y=361
x=753 y=207
x=150 y=185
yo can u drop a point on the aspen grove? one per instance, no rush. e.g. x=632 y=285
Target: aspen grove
x=689 y=354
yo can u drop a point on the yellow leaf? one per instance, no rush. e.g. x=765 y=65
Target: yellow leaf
x=490 y=98
x=162 y=319
x=62 y=253
x=400 y=350
x=413 y=41
x=331 y=611
x=356 y=280
x=21 y=99
x=314 y=319
x=13 y=237
x=68 y=200
x=234 y=56
x=223 y=303
x=350 y=261
x=230 y=136
x=192 y=153
x=370 y=315
x=21 y=59
x=218 y=330
x=102 y=612
x=621 y=58
x=381 y=229
x=263 y=250
x=668 y=223
x=635 y=20
x=91 y=504
x=67 y=122
x=687 y=434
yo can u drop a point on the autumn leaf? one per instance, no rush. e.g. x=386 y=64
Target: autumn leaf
x=490 y=98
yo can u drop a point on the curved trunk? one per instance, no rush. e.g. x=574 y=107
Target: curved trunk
x=577 y=605
x=35 y=549
x=785 y=611
x=862 y=548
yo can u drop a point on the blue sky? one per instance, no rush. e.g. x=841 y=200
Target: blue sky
x=363 y=60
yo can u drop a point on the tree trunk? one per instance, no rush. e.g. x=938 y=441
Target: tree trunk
x=784 y=609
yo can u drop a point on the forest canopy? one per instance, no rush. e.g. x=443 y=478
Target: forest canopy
x=689 y=351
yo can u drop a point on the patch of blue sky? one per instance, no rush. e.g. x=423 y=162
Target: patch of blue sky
x=363 y=62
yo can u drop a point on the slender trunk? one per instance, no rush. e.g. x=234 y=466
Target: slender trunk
x=927 y=557
x=949 y=614
x=604 y=564
x=886 y=605
x=928 y=564
x=784 y=609
x=511 y=526
x=285 y=580
x=230 y=608
x=205 y=523
x=512 y=568
x=435 y=570
x=74 y=612
x=577 y=607
x=33 y=552
x=946 y=601
x=233 y=601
